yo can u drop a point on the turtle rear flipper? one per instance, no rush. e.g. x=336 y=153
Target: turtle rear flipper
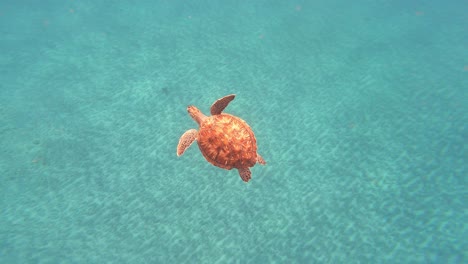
x=186 y=140
x=220 y=104
x=245 y=174
x=260 y=159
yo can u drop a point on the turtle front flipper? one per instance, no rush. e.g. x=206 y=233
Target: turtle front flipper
x=245 y=174
x=220 y=104
x=186 y=140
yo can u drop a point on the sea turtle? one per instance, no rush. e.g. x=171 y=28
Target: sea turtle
x=226 y=141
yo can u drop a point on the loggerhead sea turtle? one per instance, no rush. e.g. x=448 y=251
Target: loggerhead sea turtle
x=225 y=141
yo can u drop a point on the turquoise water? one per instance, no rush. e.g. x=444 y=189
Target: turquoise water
x=359 y=109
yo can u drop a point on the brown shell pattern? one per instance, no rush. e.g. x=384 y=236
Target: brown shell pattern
x=227 y=141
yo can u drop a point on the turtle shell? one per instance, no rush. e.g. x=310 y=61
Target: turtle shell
x=227 y=142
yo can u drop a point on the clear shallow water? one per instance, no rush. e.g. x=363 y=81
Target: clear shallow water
x=359 y=109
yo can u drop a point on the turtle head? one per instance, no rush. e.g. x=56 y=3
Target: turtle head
x=196 y=114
